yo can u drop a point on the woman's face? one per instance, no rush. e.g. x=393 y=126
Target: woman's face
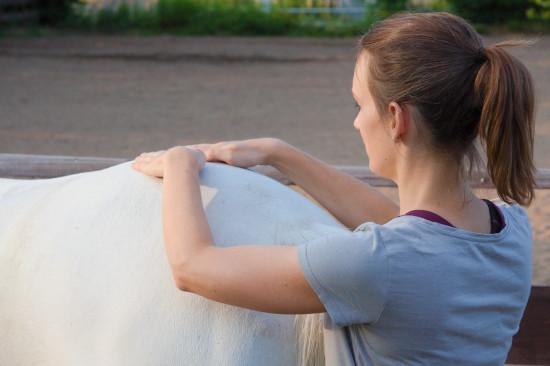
x=372 y=128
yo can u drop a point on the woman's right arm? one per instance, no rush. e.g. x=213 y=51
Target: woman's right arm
x=348 y=199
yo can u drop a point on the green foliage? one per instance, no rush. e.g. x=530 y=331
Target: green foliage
x=176 y=13
x=539 y=10
x=248 y=17
x=217 y=17
x=212 y=17
x=519 y=15
x=381 y=9
x=52 y=12
x=385 y=8
x=492 y=11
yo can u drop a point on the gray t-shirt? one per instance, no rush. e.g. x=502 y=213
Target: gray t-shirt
x=416 y=292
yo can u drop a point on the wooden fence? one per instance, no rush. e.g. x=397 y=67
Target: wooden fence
x=530 y=346
x=24 y=166
x=17 y=11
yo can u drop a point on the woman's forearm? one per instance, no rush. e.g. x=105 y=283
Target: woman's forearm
x=185 y=227
x=351 y=201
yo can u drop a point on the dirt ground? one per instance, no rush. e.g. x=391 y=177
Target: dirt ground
x=119 y=96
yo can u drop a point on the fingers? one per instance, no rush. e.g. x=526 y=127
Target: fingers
x=137 y=164
x=223 y=151
x=152 y=154
x=202 y=147
x=143 y=161
x=219 y=152
x=207 y=150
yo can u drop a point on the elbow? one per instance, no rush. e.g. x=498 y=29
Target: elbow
x=182 y=278
x=182 y=285
x=192 y=274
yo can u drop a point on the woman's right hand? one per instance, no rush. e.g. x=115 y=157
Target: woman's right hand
x=241 y=153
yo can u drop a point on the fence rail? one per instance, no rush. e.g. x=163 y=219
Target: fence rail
x=26 y=166
x=529 y=345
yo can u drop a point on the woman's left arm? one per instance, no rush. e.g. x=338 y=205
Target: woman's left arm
x=259 y=277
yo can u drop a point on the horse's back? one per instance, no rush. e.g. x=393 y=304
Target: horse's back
x=84 y=277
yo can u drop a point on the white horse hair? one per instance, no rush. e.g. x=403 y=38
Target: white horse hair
x=84 y=279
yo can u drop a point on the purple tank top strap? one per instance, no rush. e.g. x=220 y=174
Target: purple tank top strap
x=431 y=216
x=497 y=217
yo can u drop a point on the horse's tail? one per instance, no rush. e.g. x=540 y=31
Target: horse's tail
x=309 y=329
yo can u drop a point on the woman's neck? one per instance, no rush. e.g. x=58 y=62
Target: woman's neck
x=433 y=185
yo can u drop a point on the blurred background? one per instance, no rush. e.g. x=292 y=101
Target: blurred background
x=114 y=78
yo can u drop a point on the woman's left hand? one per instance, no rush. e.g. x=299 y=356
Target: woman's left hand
x=153 y=163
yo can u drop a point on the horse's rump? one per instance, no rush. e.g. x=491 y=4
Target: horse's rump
x=84 y=278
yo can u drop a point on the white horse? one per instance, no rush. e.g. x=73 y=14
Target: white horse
x=84 y=279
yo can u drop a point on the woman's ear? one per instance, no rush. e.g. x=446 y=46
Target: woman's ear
x=399 y=123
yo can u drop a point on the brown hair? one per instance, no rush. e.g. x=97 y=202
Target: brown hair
x=436 y=63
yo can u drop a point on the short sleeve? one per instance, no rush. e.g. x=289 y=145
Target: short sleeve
x=349 y=273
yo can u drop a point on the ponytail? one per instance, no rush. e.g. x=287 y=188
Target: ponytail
x=506 y=128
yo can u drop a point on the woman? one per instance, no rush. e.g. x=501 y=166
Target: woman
x=440 y=279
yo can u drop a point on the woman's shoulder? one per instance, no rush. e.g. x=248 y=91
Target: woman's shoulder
x=409 y=228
